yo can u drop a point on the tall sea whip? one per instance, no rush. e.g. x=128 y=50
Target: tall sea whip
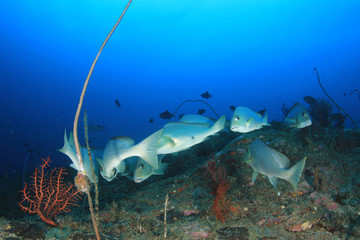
x=82 y=181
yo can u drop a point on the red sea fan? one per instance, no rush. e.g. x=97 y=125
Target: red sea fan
x=48 y=195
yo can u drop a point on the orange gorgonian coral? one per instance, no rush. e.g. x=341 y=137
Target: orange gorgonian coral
x=48 y=194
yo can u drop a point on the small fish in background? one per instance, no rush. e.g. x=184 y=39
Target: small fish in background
x=206 y=95
x=117 y=103
x=96 y=128
x=245 y=120
x=201 y=111
x=262 y=112
x=232 y=108
x=310 y=100
x=166 y=115
x=273 y=164
x=298 y=117
x=151 y=120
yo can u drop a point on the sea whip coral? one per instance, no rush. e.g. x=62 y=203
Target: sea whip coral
x=49 y=195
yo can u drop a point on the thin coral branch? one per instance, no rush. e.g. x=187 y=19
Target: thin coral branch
x=337 y=106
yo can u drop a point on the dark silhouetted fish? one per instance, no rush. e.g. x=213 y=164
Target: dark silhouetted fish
x=262 y=112
x=117 y=103
x=232 y=108
x=151 y=120
x=201 y=111
x=166 y=115
x=310 y=100
x=206 y=95
x=96 y=127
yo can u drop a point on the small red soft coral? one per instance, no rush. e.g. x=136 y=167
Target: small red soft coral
x=49 y=195
x=221 y=205
x=220 y=185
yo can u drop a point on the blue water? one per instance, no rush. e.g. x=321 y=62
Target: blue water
x=252 y=53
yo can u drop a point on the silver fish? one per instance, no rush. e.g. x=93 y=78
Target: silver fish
x=120 y=148
x=69 y=150
x=273 y=164
x=245 y=120
x=179 y=136
x=298 y=117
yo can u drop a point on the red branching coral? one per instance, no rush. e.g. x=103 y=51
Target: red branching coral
x=216 y=173
x=221 y=205
x=48 y=194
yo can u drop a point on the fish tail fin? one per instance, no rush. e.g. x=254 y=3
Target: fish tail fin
x=265 y=119
x=218 y=125
x=147 y=149
x=294 y=173
x=68 y=151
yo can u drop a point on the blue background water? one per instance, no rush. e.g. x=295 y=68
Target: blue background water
x=253 y=53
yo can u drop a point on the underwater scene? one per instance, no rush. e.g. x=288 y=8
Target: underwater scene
x=182 y=119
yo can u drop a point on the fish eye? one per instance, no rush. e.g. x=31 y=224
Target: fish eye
x=113 y=171
x=141 y=165
x=237 y=118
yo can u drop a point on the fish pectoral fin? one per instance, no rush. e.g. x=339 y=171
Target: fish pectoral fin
x=273 y=181
x=161 y=169
x=254 y=176
x=166 y=141
x=290 y=120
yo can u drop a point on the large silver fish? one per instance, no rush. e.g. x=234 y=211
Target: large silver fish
x=69 y=150
x=298 y=117
x=120 y=148
x=179 y=136
x=245 y=120
x=273 y=164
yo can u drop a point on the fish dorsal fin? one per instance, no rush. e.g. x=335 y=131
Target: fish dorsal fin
x=166 y=140
x=125 y=141
x=297 y=104
x=280 y=158
x=180 y=124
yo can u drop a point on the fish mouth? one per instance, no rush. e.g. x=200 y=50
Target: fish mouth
x=108 y=177
x=234 y=128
